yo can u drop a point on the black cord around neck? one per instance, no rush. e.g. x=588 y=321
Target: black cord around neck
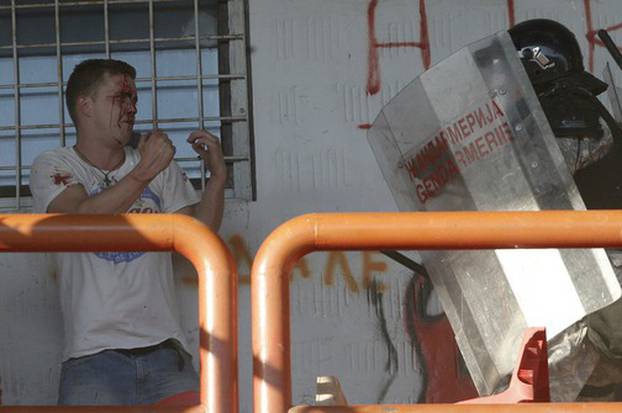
x=107 y=181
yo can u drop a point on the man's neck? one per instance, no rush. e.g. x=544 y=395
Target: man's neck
x=101 y=156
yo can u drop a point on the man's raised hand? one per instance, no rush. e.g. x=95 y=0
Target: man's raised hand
x=209 y=149
x=156 y=153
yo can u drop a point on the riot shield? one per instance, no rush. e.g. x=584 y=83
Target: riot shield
x=469 y=134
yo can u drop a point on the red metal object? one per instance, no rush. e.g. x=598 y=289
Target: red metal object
x=151 y=232
x=414 y=230
x=189 y=398
x=530 y=379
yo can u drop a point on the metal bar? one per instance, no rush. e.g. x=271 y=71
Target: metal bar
x=18 y=120
x=406 y=262
x=226 y=119
x=236 y=97
x=28 y=85
x=400 y=231
x=126 y=41
x=106 y=30
x=199 y=70
x=182 y=159
x=12 y=167
x=249 y=103
x=31 y=127
x=59 y=72
x=138 y=80
x=611 y=47
x=84 y=3
x=154 y=95
x=204 y=77
x=146 y=232
x=205 y=118
x=232 y=158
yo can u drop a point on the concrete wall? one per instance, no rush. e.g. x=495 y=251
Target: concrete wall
x=318 y=80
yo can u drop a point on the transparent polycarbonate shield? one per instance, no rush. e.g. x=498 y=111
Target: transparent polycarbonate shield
x=613 y=92
x=469 y=134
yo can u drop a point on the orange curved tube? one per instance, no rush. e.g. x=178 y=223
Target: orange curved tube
x=413 y=230
x=216 y=271
x=466 y=408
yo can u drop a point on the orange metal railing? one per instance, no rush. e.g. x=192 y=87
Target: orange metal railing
x=151 y=232
x=418 y=230
x=467 y=408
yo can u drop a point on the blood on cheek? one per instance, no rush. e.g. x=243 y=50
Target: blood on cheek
x=125 y=100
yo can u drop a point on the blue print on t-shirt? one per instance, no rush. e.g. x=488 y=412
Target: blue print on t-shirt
x=149 y=194
x=119 y=257
x=129 y=256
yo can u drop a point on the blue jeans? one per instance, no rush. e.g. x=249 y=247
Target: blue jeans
x=127 y=377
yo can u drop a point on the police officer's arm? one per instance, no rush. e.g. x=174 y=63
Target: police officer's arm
x=156 y=154
x=210 y=209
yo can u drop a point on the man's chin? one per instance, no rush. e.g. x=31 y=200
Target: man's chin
x=129 y=139
x=122 y=140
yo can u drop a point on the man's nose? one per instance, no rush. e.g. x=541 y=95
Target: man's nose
x=132 y=107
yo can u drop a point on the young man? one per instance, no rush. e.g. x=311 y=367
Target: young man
x=123 y=339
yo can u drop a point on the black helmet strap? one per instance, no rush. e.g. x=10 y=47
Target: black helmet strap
x=568 y=98
x=583 y=93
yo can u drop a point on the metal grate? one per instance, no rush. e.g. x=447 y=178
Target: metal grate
x=183 y=50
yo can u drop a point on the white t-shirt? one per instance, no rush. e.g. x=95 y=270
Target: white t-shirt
x=113 y=299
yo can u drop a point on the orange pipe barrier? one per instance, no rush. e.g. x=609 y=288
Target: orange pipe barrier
x=467 y=408
x=412 y=230
x=151 y=232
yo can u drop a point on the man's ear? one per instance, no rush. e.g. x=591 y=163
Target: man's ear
x=84 y=106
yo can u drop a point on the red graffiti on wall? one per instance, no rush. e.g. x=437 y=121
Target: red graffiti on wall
x=373 y=64
x=373 y=68
x=593 y=41
x=446 y=379
x=511 y=14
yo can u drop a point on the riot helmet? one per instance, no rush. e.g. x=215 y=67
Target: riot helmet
x=588 y=135
x=552 y=58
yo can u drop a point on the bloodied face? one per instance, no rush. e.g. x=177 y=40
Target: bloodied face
x=114 y=109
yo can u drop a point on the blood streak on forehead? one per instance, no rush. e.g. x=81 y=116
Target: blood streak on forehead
x=127 y=85
x=125 y=90
x=124 y=93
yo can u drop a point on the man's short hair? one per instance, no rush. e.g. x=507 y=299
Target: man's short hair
x=88 y=75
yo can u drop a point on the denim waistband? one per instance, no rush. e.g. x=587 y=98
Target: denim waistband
x=140 y=351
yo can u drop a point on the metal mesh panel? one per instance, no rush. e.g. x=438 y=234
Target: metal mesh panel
x=192 y=71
